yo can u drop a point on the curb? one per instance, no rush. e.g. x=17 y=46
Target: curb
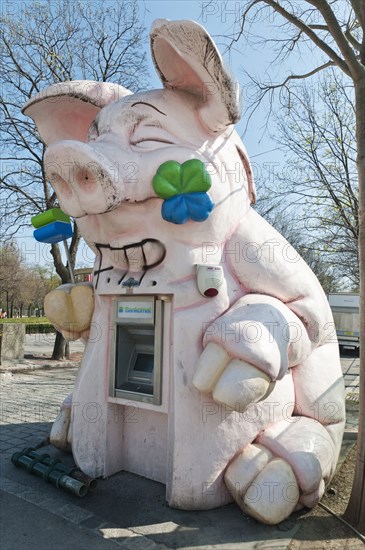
x=81 y=518
x=29 y=366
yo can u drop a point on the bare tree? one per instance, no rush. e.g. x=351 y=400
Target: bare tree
x=318 y=184
x=47 y=42
x=334 y=33
x=23 y=287
x=40 y=281
x=287 y=225
x=11 y=276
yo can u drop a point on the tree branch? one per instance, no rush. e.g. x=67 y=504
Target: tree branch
x=21 y=191
x=359 y=8
x=319 y=27
x=350 y=37
x=300 y=76
x=312 y=35
x=356 y=69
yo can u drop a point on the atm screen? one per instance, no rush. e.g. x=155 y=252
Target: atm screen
x=140 y=374
x=144 y=362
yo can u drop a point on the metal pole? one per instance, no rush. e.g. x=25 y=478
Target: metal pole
x=49 y=473
x=69 y=262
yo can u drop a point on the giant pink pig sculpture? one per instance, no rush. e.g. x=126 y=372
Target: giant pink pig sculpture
x=252 y=404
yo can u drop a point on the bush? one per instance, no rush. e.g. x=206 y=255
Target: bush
x=39 y=328
x=34 y=325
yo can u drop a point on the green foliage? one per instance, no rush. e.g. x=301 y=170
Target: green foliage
x=34 y=325
x=27 y=320
x=39 y=328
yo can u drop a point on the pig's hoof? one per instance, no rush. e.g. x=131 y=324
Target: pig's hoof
x=60 y=432
x=232 y=382
x=263 y=486
x=70 y=309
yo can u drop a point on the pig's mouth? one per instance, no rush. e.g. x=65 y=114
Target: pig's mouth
x=132 y=260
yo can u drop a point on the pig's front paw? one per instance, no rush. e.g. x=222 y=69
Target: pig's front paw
x=70 y=308
x=263 y=486
x=232 y=382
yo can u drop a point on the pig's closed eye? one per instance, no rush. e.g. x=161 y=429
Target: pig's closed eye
x=93 y=131
x=151 y=137
x=150 y=142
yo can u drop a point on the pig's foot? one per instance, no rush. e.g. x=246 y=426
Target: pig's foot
x=284 y=470
x=60 y=435
x=70 y=308
x=232 y=382
x=263 y=486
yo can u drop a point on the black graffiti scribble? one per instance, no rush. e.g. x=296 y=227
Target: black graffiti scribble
x=144 y=268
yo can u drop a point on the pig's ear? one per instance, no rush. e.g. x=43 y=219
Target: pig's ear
x=186 y=58
x=66 y=110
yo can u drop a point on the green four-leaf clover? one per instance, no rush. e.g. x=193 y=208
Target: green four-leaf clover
x=173 y=178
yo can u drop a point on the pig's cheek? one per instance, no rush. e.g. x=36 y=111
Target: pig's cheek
x=137 y=173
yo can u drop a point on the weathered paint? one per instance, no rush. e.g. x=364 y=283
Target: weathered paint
x=270 y=313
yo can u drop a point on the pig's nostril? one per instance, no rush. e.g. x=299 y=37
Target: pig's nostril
x=61 y=186
x=86 y=177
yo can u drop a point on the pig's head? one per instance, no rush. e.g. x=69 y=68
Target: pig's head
x=104 y=146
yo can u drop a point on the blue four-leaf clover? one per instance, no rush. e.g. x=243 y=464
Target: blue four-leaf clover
x=183 y=188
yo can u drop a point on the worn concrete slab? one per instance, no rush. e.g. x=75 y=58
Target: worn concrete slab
x=131 y=511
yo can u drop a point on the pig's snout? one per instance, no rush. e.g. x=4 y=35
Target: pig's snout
x=83 y=179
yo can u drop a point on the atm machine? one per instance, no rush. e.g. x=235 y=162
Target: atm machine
x=137 y=348
x=136 y=414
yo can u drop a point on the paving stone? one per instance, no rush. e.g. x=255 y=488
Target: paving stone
x=30 y=402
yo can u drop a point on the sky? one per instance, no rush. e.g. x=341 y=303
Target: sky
x=220 y=19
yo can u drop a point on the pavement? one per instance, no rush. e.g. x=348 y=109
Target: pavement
x=124 y=511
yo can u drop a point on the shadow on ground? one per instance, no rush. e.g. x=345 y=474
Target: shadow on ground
x=127 y=501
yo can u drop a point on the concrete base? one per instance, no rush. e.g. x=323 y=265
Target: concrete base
x=12 y=341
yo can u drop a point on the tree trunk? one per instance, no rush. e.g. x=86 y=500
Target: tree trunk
x=59 y=347
x=355 y=512
x=67 y=350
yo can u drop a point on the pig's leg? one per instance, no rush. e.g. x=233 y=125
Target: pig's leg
x=263 y=486
x=248 y=349
x=60 y=435
x=287 y=466
x=291 y=461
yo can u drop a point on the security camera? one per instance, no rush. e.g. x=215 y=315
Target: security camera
x=210 y=278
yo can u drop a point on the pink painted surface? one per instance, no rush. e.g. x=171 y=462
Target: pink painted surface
x=270 y=313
